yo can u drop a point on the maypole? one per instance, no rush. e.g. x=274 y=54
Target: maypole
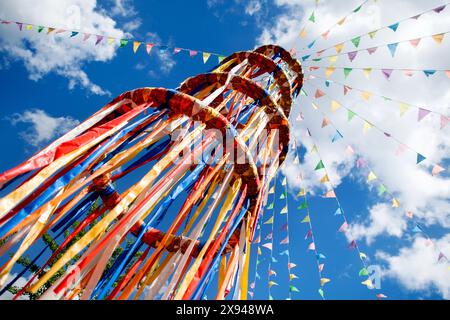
x=176 y=179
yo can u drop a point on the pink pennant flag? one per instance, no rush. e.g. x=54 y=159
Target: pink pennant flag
x=360 y=163
x=415 y=42
x=60 y=31
x=436 y=170
x=422 y=113
x=291 y=265
x=176 y=50
x=325 y=34
x=319 y=94
x=313 y=68
x=300 y=117
x=272 y=273
x=447 y=72
x=149 y=47
x=441 y=256
x=401 y=148
x=312 y=246
x=387 y=73
x=319 y=53
x=444 y=121
x=325 y=122
x=352 y=245
x=258 y=240
x=410 y=214
x=267 y=245
x=99 y=39
x=350 y=149
x=293 y=52
x=192 y=53
x=408 y=73
x=308 y=234
x=439 y=9
x=86 y=36
x=285 y=240
x=347 y=89
x=250 y=294
x=352 y=55
x=381 y=296
x=330 y=194
x=252 y=285
x=284 y=227
x=6 y=22
x=372 y=50
x=343 y=227
x=269 y=236
x=321 y=267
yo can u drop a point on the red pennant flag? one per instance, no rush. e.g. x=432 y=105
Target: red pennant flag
x=149 y=47
x=352 y=245
x=319 y=94
x=192 y=53
x=346 y=89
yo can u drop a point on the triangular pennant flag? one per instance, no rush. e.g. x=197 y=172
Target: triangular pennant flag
x=312 y=17
x=192 y=53
x=372 y=50
x=284 y=210
x=439 y=9
x=269 y=236
x=350 y=149
x=293 y=289
x=269 y=221
x=20 y=25
x=284 y=182
x=395 y=203
x=381 y=189
x=343 y=227
x=319 y=166
x=367 y=126
x=272 y=190
x=372 y=34
x=329 y=71
x=415 y=42
x=304 y=205
x=338 y=212
x=332 y=59
x=303 y=33
x=363 y=272
x=306 y=219
x=352 y=55
x=371 y=176
x=366 y=95
x=311 y=44
x=408 y=73
x=381 y=296
x=403 y=108
x=352 y=244
x=292 y=277
x=325 y=122
x=339 y=47
x=206 y=56
x=259 y=251
x=73 y=34
x=321 y=256
x=272 y=273
x=176 y=50
x=284 y=227
x=367 y=72
x=325 y=34
x=272 y=283
x=429 y=73
x=111 y=40
x=267 y=245
x=319 y=94
x=308 y=234
x=323 y=281
x=40 y=28
x=350 y=115
x=362 y=256
x=270 y=206
x=283 y=195
x=296 y=160
x=312 y=246
x=149 y=47
x=136 y=45
x=410 y=214
x=357 y=9
x=394 y=26
x=284 y=253
x=342 y=21
x=360 y=163
x=368 y=283
x=420 y=158
x=441 y=256
x=325 y=179
x=330 y=194
x=422 y=113
x=336 y=136
x=347 y=89
x=387 y=73
x=356 y=41
x=436 y=170
x=347 y=72
x=285 y=240
x=301 y=193
x=99 y=39
x=320 y=267
x=417 y=229
x=392 y=48
x=220 y=58
x=321 y=293
x=50 y=30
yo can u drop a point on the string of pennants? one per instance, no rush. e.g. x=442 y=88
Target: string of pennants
x=372 y=176
x=438 y=38
x=340 y=22
x=335 y=105
x=345 y=226
x=403 y=106
x=98 y=39
x=372 y=34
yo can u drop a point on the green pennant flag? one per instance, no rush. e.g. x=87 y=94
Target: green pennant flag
x=40 y=28
x=347 y=72
x=302 y=206
x=293 y=289
x=357 y=9
x=220 y=58
x=321 y=293
x=317 y=59
x=123 y=42
x=350 y=115
x=381 y=189
x=319 y=166
x=283 y=195
x=363 y=272
x=356 y=41
x=312 y=18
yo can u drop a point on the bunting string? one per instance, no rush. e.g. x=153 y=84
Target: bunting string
x=340 y=22
x=392 y=48
x=311 y=19
x=121 y=42
x=367 y=125
x=422 y=111
x=344 y=228
x=392 y=26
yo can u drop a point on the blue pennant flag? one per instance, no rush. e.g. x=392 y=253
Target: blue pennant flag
x=394 y=26
x=311 y=44
x=392 y=48
x=338 y=212
x=304 y=58
x=429 y=72
x=336 y=136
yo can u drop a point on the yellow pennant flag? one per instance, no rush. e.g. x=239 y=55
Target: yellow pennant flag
x=270 y=221
x=136 y=45
x=371 y=176
x=438 y=37
x=403 y=108
x=303 y=33
x=323 y=281
x=367 y=127
x=329 y=71
x=259 y=251
x=367 y=72
x=284 y=210
x=325 y=179
x=339 y=47
x=366 y=95
x=29 y=27
x=335 y=105
x=372 y=34
x=368 y=283
x=342 y=21
x=306 y=219
x=332 y=59
x=313 y=149
x=272 y=283
x=284 y=182
x=395 y=203
x=301 y=193
x=110 y=40
x=292 y=277
x=272 y=190
x=206 y=56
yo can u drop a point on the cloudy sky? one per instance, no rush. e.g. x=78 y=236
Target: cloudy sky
x=52 y=82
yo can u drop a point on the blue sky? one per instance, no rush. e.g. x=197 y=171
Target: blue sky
x=58 y=90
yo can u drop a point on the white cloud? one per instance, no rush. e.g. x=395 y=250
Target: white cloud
x=43 y=127
x=418 y=191
x=416 y=267
x=253 y=7
x=19 y=283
